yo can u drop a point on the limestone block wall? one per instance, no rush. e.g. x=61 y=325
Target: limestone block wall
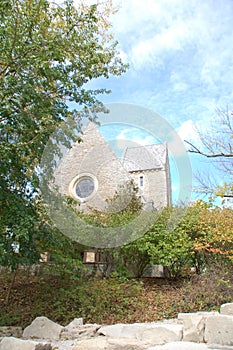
x=92 y=158
x=154 y=187
x=168 y=182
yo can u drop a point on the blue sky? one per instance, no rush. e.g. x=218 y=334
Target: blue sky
x=180 y=54
x=181 y=62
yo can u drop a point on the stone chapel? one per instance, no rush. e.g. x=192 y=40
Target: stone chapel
x=90 y=172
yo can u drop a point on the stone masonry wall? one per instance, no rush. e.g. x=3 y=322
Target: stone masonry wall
x=92 y=157
x=154 y=187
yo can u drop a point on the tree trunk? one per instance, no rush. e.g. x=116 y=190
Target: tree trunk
x=11 y=285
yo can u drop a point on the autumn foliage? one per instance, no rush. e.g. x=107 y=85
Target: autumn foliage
x=215 y=228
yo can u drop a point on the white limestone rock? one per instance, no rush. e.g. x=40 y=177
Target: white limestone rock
x=121 y=330
x=43 y=328
x=91 y=344
x=161 y=333
x=180 y=346
x=63 y=344
x=226 y=309
x=11 y=343
x=219 y=330
x=75 y=323
x=206 y=314
x=125 y=344
x=105 y=343
x=150 y=333
x=219 y=347
x=79 y=332
x=194 y=325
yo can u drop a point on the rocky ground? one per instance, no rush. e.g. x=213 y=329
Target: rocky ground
x=189 y=331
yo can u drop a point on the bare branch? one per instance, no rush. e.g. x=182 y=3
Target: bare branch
x=216 y=145
x=196 y=150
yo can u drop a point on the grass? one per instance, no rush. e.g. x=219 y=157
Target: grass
x=109 y=300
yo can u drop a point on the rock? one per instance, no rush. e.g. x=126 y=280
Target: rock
x=219 y=347
x=202 y=313
x=92 y=344
x=121 y=330
x=194 y=325
x=63 y=344
x=11 y=343
x=180 y=346
x=227 y=309
x=126 y=344
x=43 y=328
x=150 y=333
x=75 y=323
x=10 y=331
x=188 y=331
x=79 y=332
x=161 y=334
x=219 y=330
x=104 y=343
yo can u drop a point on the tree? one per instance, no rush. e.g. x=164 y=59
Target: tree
x=121 y=209
x=216 y=144
x=201 y=238
x=171 y=248
x=48 y=54
x=215 y=233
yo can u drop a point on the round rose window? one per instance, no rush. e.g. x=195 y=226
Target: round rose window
x=85 y=187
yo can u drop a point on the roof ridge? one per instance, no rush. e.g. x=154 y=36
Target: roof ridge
x=142 y=146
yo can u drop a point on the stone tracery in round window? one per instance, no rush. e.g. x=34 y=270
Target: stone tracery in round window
x=84 y=187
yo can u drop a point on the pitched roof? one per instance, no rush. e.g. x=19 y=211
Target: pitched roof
x=145 y=157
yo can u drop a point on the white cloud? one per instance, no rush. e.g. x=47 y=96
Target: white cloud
x=133 y=137
x=188 y=131
x=152 y=31
x=180 y=57
x=177 y=82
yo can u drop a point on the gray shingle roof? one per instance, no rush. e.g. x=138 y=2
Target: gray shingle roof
x=145 y=157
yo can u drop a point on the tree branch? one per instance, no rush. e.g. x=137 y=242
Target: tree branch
x=208 y=155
